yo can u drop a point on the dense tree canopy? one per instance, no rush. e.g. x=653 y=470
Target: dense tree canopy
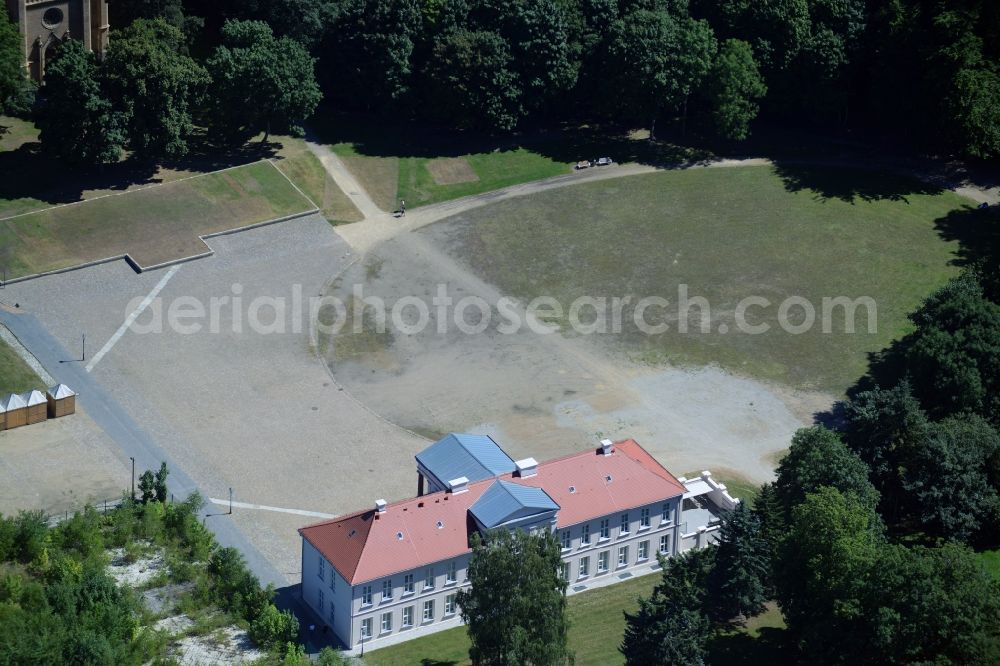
x=739 y=584
x=816 y=458
x=832 y=544
x=670 y=626
x=735 y=86
x=259 y=82
x=156 y=86
x=78 y=123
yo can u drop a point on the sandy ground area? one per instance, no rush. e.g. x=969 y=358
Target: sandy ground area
x=547 y=395
x=59 y=465
x=255 y=412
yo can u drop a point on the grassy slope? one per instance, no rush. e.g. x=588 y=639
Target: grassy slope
x=153 y=225
x=727 y=234
x=307 y=172
x=495 y=170
x=15 y=375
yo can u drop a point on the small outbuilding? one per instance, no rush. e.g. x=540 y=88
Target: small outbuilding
x=3 y=414
x=62 y=401
x=16 y=411
x=38 y=406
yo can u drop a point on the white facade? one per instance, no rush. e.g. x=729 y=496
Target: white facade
x=414 y=608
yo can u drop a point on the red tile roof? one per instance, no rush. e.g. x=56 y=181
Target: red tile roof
x=367 y=545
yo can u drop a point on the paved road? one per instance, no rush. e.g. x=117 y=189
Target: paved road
x=134 y=441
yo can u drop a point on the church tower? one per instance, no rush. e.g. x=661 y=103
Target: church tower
x=44 y=24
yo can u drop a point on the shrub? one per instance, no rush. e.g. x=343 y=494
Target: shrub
x=274 y=628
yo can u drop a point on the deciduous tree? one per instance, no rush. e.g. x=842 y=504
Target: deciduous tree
x=260 y=83
x=734 y=87
x=472 y=84
x=77 y=122
x=817 y=457
x=515 y=609
x=155 y=85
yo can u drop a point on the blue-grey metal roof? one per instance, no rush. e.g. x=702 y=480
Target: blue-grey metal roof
x=505 y=501
x=475 y=457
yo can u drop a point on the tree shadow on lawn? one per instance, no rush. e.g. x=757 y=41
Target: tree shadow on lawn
x=567 y=143
x=30 y=173
x=736 y=648
x=434 y=662
x=850 y=183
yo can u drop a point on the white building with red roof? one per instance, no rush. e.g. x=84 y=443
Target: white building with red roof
x=391 y=572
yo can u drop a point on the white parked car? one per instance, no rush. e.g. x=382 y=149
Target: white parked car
x=604 y=161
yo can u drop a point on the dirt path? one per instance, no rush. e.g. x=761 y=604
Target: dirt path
x=379 y=226
x=345 y=180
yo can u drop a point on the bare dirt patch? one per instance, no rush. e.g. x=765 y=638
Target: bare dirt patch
x=451 y=170
x=546 y=395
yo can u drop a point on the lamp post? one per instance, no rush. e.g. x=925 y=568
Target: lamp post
x=132 y=458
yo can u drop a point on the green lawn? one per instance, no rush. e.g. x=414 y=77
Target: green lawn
x=736 y=485
x=596 y=628
x=153 y=225
x=307 y=172
x=726 y=233
x=15 y=375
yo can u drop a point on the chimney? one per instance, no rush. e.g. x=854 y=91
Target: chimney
x=459 y=485
x=380 y=506
x=527 y=467
x=606 y=445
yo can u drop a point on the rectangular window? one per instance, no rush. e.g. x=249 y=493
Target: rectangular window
x=366 y=628
x=387 y=589
x=644 y=517
x=408 y=616
x=665 y=513
x=429 y=578
x=321 y=603
x=408 y=584
x=333 y=580
x=585 y=535
x=564 y=570
x=605 y=528
x=665 y=544
x=564 y=539
x=452 y=572
x=449 y=604
x=584 y=567
x=602 y=561
x=624 y=524
x=623 y=556
x=366 y=595
x=386 y=622
x=429 y=610
x=332 y=615
x=644 y=550
x=321 y=571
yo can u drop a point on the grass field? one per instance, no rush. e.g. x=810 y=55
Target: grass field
x=15 y=375
x=991 y=560
x=727 y=234
x=596 y=628
x=305 y=169
x=153 y=225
